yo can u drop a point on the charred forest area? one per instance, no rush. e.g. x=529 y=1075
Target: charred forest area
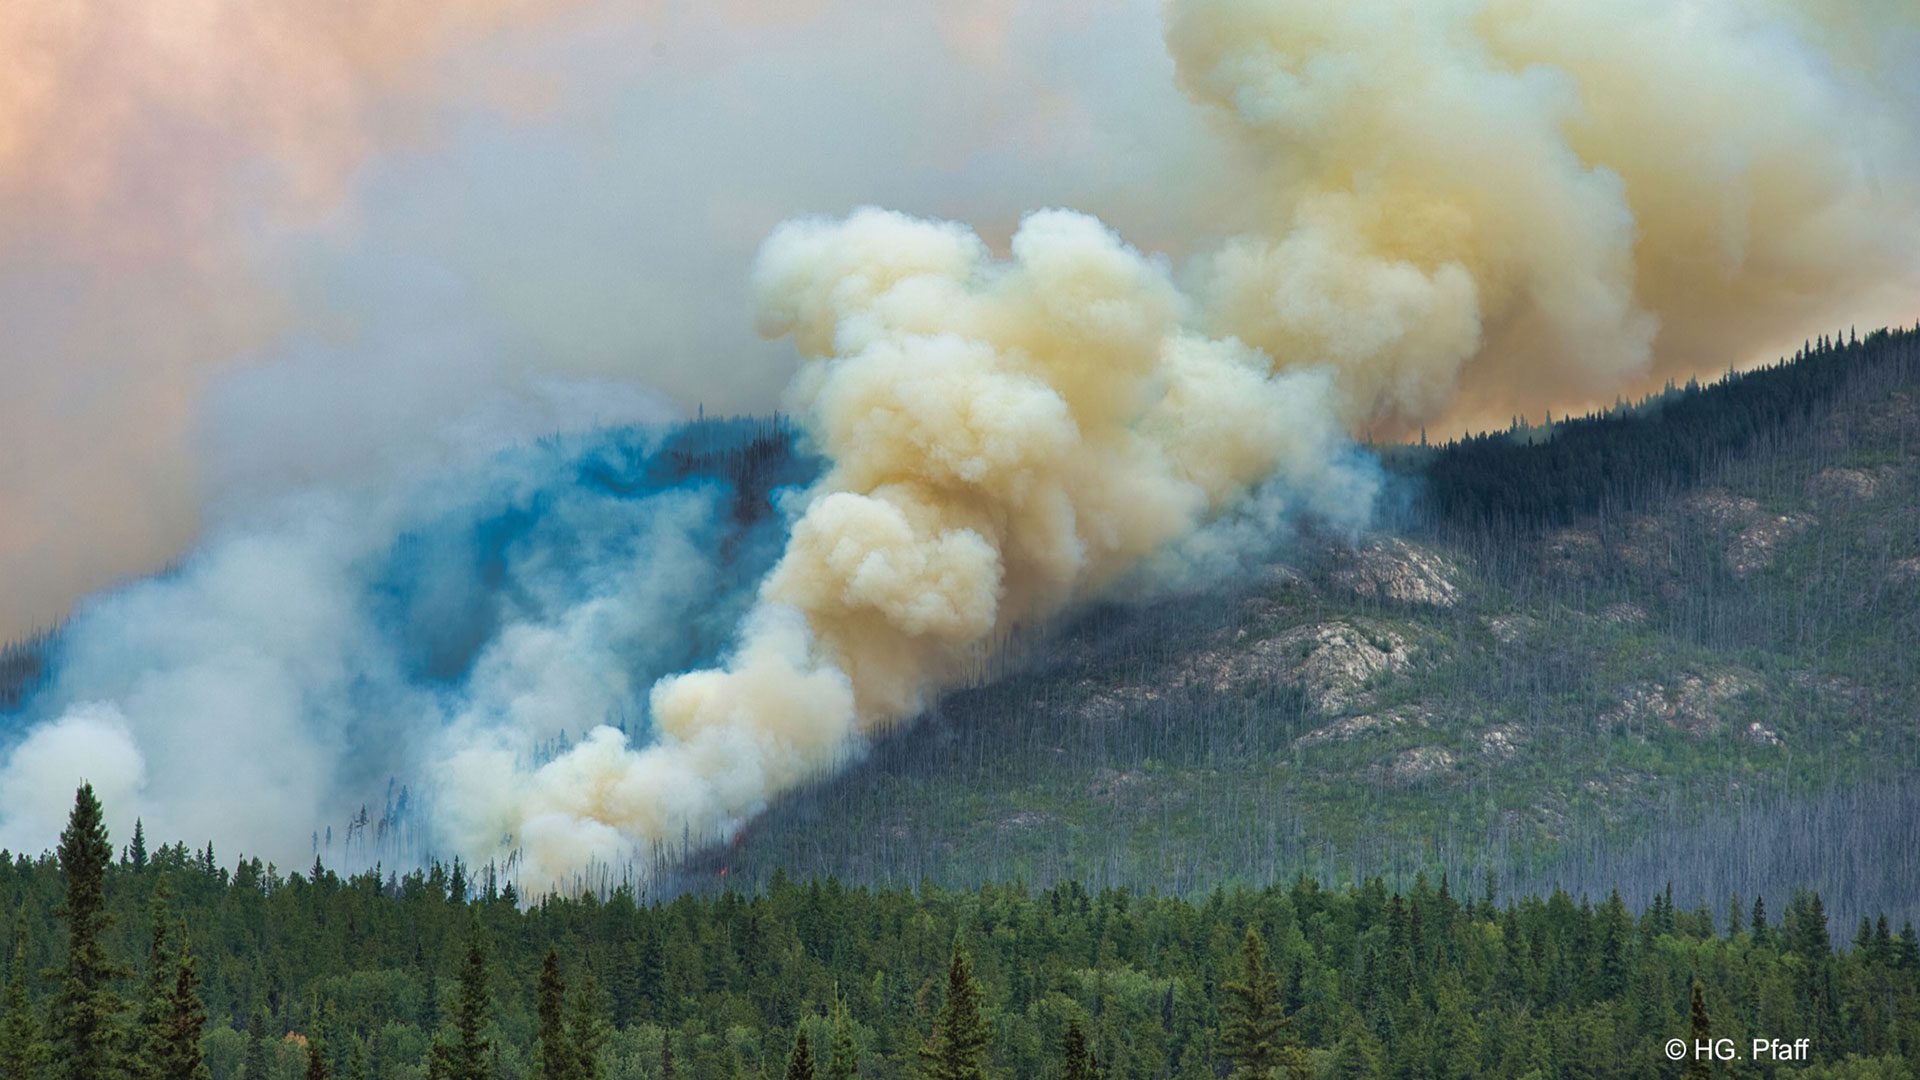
x=1668 y=644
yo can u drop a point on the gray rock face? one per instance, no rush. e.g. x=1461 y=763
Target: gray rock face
x=1393 y=569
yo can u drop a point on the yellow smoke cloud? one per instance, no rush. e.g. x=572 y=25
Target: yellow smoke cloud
x=1007 y=437
x=1478 y=206
x=1465 y=207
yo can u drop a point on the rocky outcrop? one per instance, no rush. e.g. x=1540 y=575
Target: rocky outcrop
x=1695 y=704
x=1849 y=485
x=1393 y=569
x=1353 y=727
x=1418 y=765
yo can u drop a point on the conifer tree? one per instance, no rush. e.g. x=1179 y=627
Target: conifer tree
x=254 y=1065
x=1256 y=1035
x=147 y=1039
x=843 y=1059
x=958 y=1048
x=466 y=1053
x=1699 y=1065
x=180 y=1055
x=1077 y=1060
x=554 y=1057
x=587 y=1028
x=666 y=1054
x=800 y=1061
x=137 y=851
x=23 y=1048
x=316 y=1060
x=1357 y=1055
x=86 y=1008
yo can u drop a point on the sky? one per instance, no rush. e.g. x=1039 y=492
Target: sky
x=465 y=204
x=501 y=193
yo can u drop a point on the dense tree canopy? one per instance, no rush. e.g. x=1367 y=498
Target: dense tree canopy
x=382 y=976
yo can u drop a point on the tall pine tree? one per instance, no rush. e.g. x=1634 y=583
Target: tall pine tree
x=800 y=1061
x=1699 y=1065
x=254 y=1065
x=1257 y=1035
x=588 y=1027
x=85 y=1008
x=316 y=1060
x=843 y=1059
x=180 y=1055
x=147 y=1039
x=553 y=1054
x=466 y=1054
x=1076 y=1058
x=958 y=1048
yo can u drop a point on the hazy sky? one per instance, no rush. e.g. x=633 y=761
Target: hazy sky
x=249 y=242
x=476 y=192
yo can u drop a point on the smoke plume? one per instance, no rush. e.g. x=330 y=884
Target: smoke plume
x=1486 y=206
x=1006 y=437
x=1469 y=204
x=1415 y=212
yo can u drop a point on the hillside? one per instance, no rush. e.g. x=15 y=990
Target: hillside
x=1690 y=664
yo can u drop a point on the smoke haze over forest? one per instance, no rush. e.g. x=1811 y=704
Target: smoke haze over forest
x=372 y=334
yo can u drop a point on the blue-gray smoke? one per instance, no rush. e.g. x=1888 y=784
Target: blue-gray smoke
x=307 y=659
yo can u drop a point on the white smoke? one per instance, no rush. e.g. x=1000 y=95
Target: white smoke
x=1463 y=204
x=1448 y=208
x=1007 y=437
x=258 y=690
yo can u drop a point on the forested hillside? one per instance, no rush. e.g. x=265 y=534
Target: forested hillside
x=1671 y=642
x=169 y=963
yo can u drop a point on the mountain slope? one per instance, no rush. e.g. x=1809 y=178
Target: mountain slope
x=1694 y=665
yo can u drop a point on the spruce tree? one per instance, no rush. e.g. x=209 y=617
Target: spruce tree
x=147 y=1039
x=800 y=1061
x=316 y=1060
x=666 y=1054
x=467 y=1053
x=86 y=1008
x=23 y=1047
x=1699 y=1065
x=137 y=851
x=254 y=1066
x=588 y=1027
x=1257 y=1034
x=1357 y=1055
x=553 y=1056
x=186 y=1022
x=958 y=1047
x=843 y=1060
x=1076 y=1059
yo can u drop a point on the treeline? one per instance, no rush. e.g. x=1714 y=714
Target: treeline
x=163 y=964
x=1615 y=460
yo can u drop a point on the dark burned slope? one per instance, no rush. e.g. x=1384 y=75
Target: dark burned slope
x=1691 y=664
